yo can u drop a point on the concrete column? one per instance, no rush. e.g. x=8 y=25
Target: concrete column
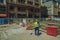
x=27 y=13
x=41 y=2
x=7 y=9
x=14 y=1
x=56 y=9
x=33 y=2
x=25 y=1
x=4 y=2
x=52 y=7
x=15 y=12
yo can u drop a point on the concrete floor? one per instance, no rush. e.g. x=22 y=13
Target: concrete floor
x=27 y=36
x=23 y=34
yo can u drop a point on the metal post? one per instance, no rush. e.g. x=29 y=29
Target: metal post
x=7 y=9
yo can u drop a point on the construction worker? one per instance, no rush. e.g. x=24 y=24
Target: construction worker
x=36 y=28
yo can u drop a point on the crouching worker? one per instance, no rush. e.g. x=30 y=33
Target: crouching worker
x=36 y=28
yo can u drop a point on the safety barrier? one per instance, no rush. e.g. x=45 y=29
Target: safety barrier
x=11 y=20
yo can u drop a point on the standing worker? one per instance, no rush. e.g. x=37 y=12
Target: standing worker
x=36 y=28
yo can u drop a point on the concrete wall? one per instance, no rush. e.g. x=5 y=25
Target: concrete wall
x=4 y=2
x=52 y=7
x=49 y=6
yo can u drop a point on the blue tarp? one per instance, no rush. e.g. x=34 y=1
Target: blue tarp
x=5 y=20
x=58 y=0
x=1 y=20
x=51 y=0
x=47 y=0
x=10 y=19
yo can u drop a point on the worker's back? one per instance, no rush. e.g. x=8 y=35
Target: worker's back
x=36 y=24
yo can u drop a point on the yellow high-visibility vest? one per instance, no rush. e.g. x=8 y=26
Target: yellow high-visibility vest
x=36 y=24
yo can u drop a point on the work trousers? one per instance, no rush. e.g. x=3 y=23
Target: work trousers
x=36 y=30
